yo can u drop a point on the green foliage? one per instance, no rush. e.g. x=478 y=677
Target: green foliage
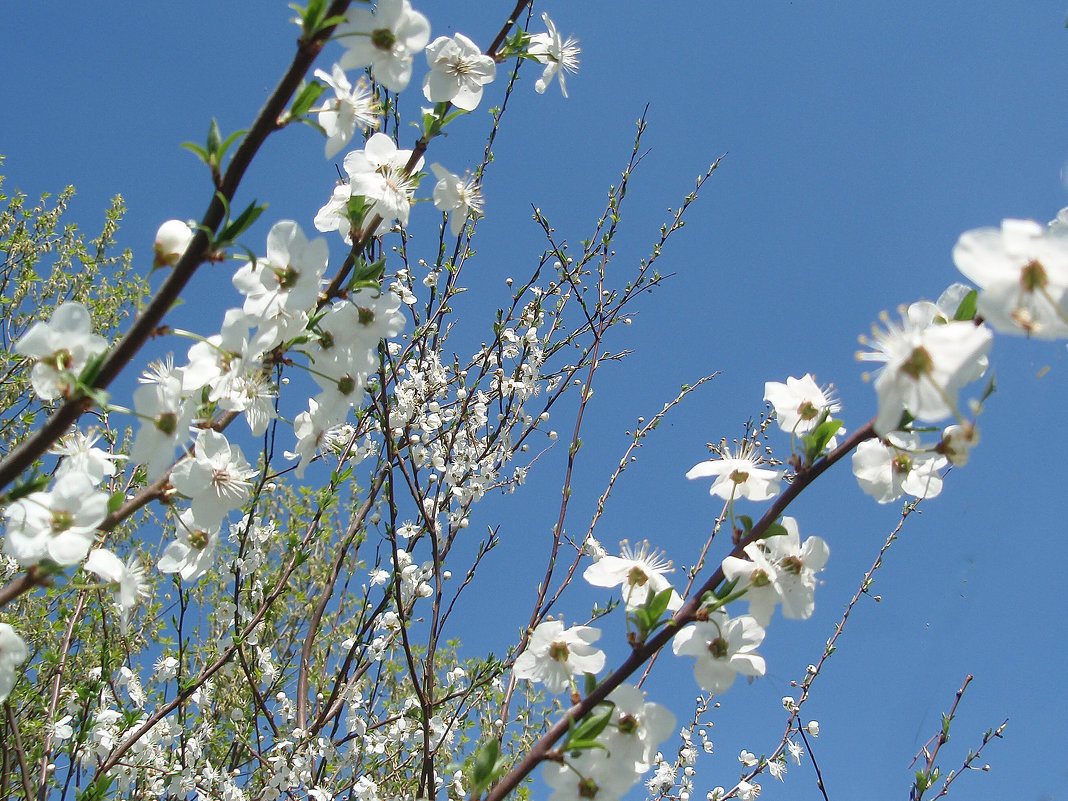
x=214 y=150
x=45 y=262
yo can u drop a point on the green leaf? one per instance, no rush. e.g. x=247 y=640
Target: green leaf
x=725 y=589
x=115 y=501
x=485 y=761
x=967 y=307
x=214 y=138
x=227 y=142
x=234 y=229
x=816 y=441
x=774 y=530
x=35 y=483
x=656 y=605
x=200 y=152
x=307 y=94
x=97 y=791
x=590 y=726
x=92 y=369
x=589 y=683
x=367 y=275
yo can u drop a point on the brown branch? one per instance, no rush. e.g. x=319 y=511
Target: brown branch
x=266 y=123
x=687 y=614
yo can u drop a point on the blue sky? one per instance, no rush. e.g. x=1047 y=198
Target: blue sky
x=860 y=140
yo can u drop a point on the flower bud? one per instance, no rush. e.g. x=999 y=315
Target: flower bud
x=172 y=238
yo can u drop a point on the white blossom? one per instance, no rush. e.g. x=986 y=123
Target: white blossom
x=559 y=55
x=739 y=475
x=384 y=40
x=61 y=348
x=13 y=652
x=554 y=655
x=458 y=71
x=127 y=577
x=350 y=108
x=460 y=198
x=924 y=368
x=639 y=571
x=723 y=648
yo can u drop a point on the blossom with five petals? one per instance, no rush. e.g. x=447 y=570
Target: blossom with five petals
x=460 y=198
x=739 y=475
x=58 y=525
x=723 y=647
x=887 y=469
x=350 y=107
x=799 y=403
x=639 y=571
x=458 y=71
x=216 y=477
x=925 y=365
x=379 y=174
x=559 y=56
x=1021 y=269
x=61 y=347
x=384 y=40
x=127 y=578
x=554 y=655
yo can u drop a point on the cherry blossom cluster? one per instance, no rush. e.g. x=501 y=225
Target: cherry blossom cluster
x=439 y=434
x=233 y=373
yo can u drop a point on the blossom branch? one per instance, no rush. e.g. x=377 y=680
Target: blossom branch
x=33 y=447
x=686 y=614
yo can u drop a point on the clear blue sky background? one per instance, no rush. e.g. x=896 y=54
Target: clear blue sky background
x=862 y=139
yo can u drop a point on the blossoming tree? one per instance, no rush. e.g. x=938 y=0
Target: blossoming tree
x=239 y=574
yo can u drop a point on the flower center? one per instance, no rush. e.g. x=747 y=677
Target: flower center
x=792 y=564
x=807 y=411
x=198 y=539
x=918 y=363
x=718 y=648
x=61 y=520
x=383 y=39
x=628 y=724
x=1033 y=277
x=559 y=652
x=637 y=577
x=287 y=278
x=740 y=476
x=62 y=359
x=167 y=423
x=346 y=385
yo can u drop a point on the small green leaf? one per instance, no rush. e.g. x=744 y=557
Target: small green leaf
x=225 y=145
x=590 y=726
x=485 y=761
x=214 y=138
x=234 y=229
x=775 y=530
x=115 y=501
x=966 y=309
x=200 y=152
x=367 y=275
x=657 y=604
x=590 y=683
x=817 y=440
x=35 y=483
x=307 y=94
